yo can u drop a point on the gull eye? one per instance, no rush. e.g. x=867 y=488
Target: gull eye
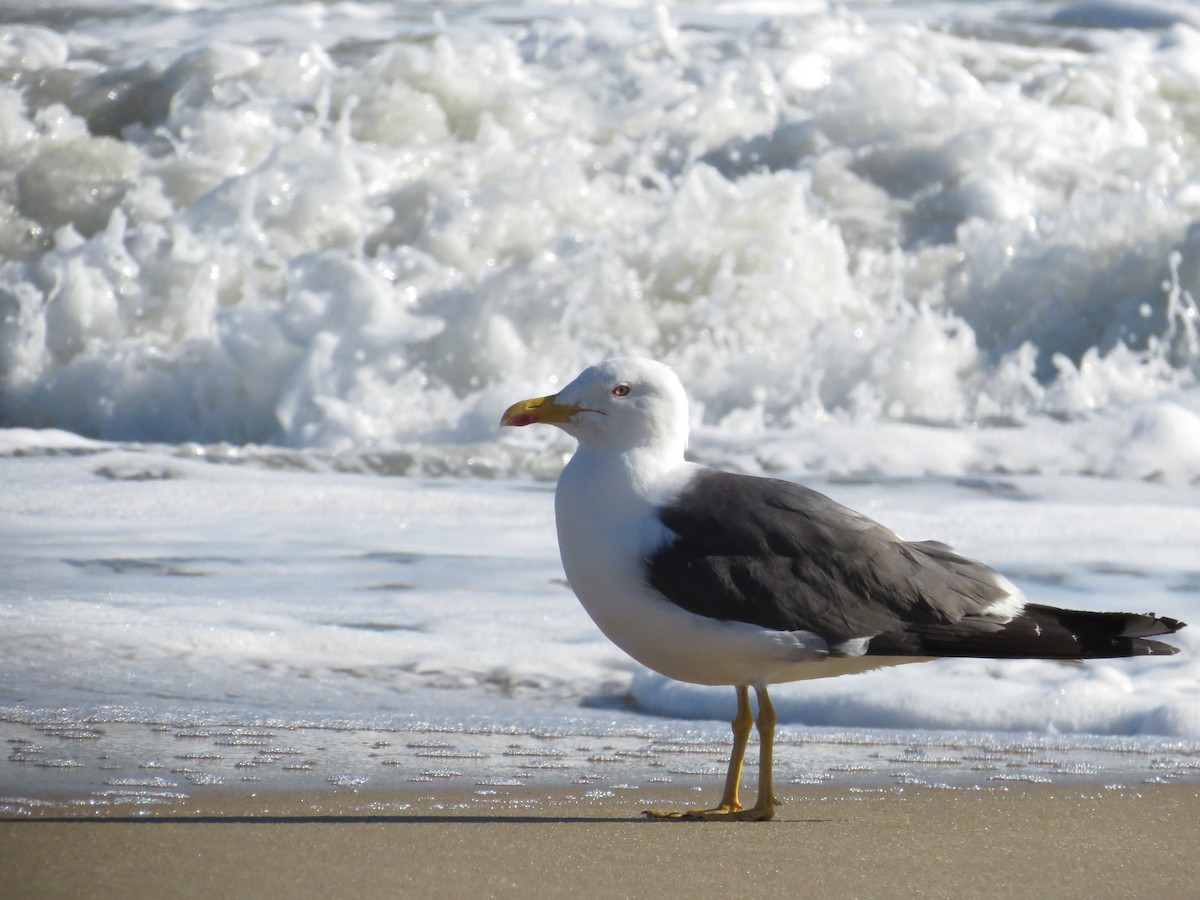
x=621 y=390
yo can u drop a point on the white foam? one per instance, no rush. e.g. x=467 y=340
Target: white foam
x=224 y=232
x=148 y=582
x=279 y=242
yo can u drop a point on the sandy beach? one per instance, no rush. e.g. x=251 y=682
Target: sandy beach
x=110 y=809
x=1013 y=841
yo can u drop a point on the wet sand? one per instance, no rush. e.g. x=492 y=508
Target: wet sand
x=1011 y=841
x=94 y=766
x=109 y=809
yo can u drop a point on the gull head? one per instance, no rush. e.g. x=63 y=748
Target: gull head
x=619 y=404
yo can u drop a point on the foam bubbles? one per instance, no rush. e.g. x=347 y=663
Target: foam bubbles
x=221 y=232
x=31 y=48
x=159 y=584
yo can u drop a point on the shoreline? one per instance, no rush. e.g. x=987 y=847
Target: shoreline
x=119 y=809
x=129 y=809
x=91 y=767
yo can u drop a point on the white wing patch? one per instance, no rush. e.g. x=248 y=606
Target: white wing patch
x=852 y=647
x=1008 y=607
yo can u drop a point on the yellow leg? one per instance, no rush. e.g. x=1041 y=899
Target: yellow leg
x=764 y=806
x=730 y=809
x=741 y=737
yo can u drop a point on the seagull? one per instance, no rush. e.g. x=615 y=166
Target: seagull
x=718 y=578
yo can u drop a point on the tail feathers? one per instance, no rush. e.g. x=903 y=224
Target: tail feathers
x=1037 y=632
x=1130 y=625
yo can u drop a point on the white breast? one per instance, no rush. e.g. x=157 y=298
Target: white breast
x=607 y=526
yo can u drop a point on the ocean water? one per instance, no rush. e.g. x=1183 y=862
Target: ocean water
x=269 y=273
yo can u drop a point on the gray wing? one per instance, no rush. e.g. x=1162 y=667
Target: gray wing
x=783 y=556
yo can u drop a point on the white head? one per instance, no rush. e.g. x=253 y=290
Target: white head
x=619 y=404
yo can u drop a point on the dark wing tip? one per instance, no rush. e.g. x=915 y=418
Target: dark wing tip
x=1140 y=625
x=1038 y=632
x=1156 y=648
x=1172 y=625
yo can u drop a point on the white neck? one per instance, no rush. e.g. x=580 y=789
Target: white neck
x=609 y=498
x=608 y=477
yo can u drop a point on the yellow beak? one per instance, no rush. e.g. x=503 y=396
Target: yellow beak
x=538 y=410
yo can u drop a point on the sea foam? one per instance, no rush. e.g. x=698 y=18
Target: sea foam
x=369 y=226
x=940 y=258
